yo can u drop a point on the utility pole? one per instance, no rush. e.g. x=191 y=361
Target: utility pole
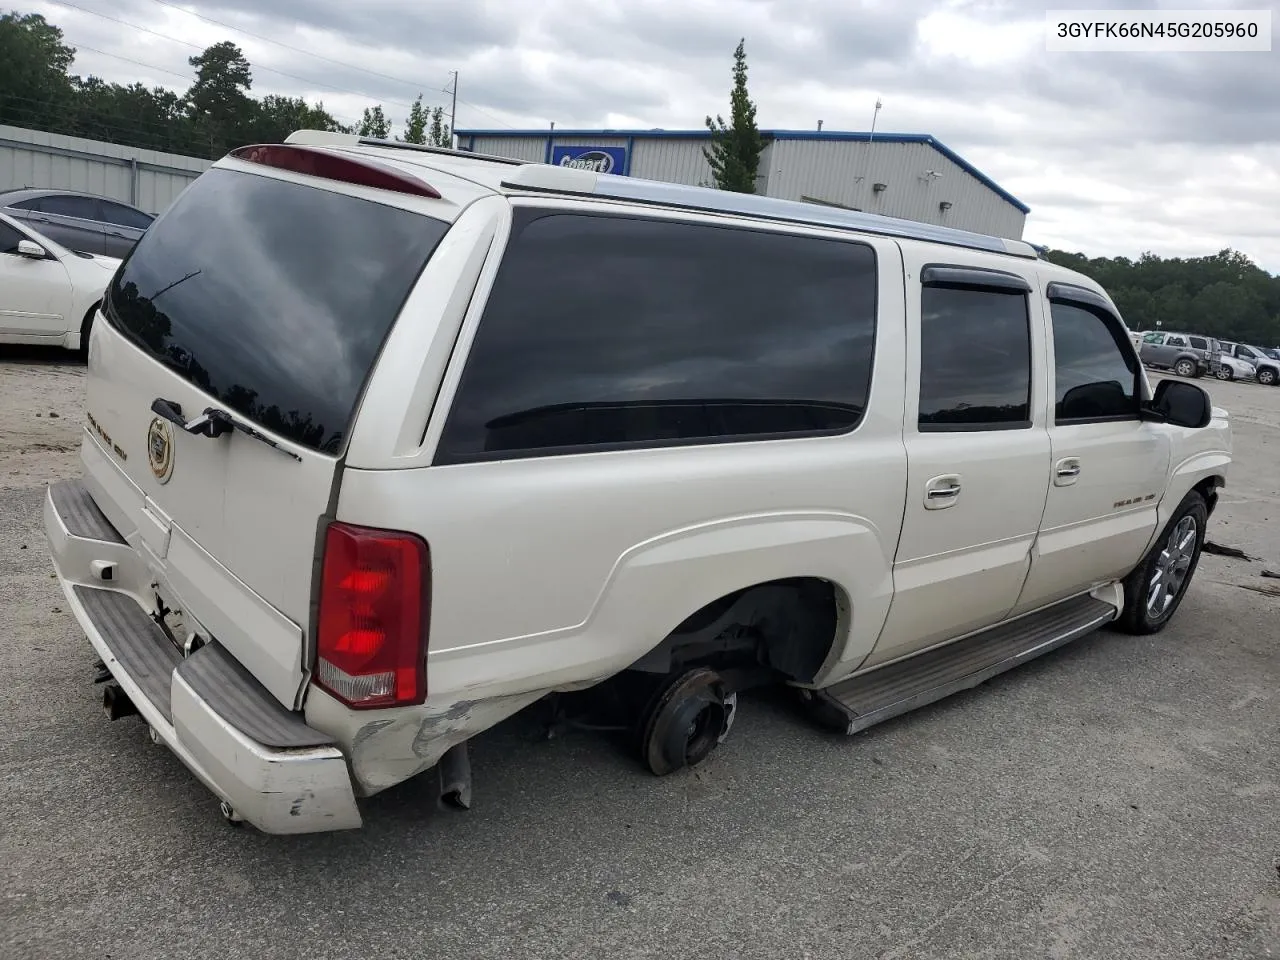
x=453 y=109
x=871 y=136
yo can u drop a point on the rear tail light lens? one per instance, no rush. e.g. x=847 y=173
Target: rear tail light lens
x=375 y=608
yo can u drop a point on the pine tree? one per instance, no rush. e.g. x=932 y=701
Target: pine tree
x=415 y=128
x=735 y=148
x=374 y=123
x=439 y=135
x=218 y=100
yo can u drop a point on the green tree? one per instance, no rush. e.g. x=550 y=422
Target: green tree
x=35 y=90
x=219 y=104
x=439 y=134
x=734 y=154
x=133 y=115
x=275 y=117
x=415 y=128
x=374 y=123
x=1223 y=295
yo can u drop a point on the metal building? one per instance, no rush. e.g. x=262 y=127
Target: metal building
x=912 y=176
x=145 y=178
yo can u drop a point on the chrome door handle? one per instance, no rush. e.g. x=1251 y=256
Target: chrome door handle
x=1066 y=471
x=942 y=492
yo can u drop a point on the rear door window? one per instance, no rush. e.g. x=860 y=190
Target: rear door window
x=124 y=216
x=272 y=297
x=611 y=332
x=975 y=359
x=1200 y=343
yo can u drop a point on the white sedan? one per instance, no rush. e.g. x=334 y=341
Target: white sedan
x=48 y=294
x=1233 y=368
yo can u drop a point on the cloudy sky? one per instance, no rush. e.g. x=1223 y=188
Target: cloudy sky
x=1115 y=153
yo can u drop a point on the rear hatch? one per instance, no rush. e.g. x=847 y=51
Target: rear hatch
x=265 y=298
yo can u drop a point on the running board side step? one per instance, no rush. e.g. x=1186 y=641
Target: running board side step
x=866 y=699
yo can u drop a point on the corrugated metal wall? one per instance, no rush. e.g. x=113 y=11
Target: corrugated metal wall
x=529 y=149
x=145 y=178
x=842 y=172
x=672 y=161
x=846 y=171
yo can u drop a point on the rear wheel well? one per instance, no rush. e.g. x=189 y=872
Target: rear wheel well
x=786 y=626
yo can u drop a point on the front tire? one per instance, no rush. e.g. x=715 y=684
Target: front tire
x=1185 y=368
x=1154 y=590
x=1267 y=377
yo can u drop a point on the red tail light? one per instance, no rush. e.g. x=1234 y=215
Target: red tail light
x=332 y=166
x=375 y=608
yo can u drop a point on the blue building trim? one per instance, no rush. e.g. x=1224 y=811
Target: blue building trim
x=832 y=135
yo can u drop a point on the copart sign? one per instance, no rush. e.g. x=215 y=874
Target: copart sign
x=595 y=159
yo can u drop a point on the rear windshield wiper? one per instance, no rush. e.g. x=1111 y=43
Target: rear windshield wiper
x=214 y=422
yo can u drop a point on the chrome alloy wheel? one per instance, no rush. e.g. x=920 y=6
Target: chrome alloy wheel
x=1170 y=573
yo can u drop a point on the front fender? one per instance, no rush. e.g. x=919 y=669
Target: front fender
x=1196 y=456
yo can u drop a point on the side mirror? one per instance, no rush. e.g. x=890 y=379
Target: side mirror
x=1182 y=404
x=29 y=248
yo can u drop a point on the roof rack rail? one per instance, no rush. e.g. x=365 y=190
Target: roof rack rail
x=537 y=177
x=329 y=138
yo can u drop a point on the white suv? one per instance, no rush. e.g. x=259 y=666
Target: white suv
x=387 y=443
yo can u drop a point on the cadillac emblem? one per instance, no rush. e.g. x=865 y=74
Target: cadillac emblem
x=160 y=448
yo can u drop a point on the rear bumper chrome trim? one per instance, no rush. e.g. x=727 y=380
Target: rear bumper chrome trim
x=304 y=789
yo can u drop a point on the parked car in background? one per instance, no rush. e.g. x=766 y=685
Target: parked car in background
x=48 y=294
x=1177 y=352
x=1233 y=368
x=82 y=222
x=1267 y=369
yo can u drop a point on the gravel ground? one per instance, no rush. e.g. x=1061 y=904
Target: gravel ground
x=1114 y=799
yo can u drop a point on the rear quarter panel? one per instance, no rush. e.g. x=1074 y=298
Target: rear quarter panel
x=550 y=572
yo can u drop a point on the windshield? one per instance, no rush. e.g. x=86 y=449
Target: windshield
x=272 y=297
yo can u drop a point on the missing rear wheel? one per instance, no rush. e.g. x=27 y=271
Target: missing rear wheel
x=688 y=716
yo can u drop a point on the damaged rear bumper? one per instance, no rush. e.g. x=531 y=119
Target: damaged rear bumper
x=263 y=760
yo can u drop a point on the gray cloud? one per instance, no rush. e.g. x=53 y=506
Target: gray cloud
x=1115 y=153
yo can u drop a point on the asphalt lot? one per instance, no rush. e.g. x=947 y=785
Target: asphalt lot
x=1115 y=799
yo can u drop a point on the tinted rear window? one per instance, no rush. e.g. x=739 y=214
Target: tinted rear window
x=975 y=360
x=608 y=332
x=272 y=296
x=125 y=216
